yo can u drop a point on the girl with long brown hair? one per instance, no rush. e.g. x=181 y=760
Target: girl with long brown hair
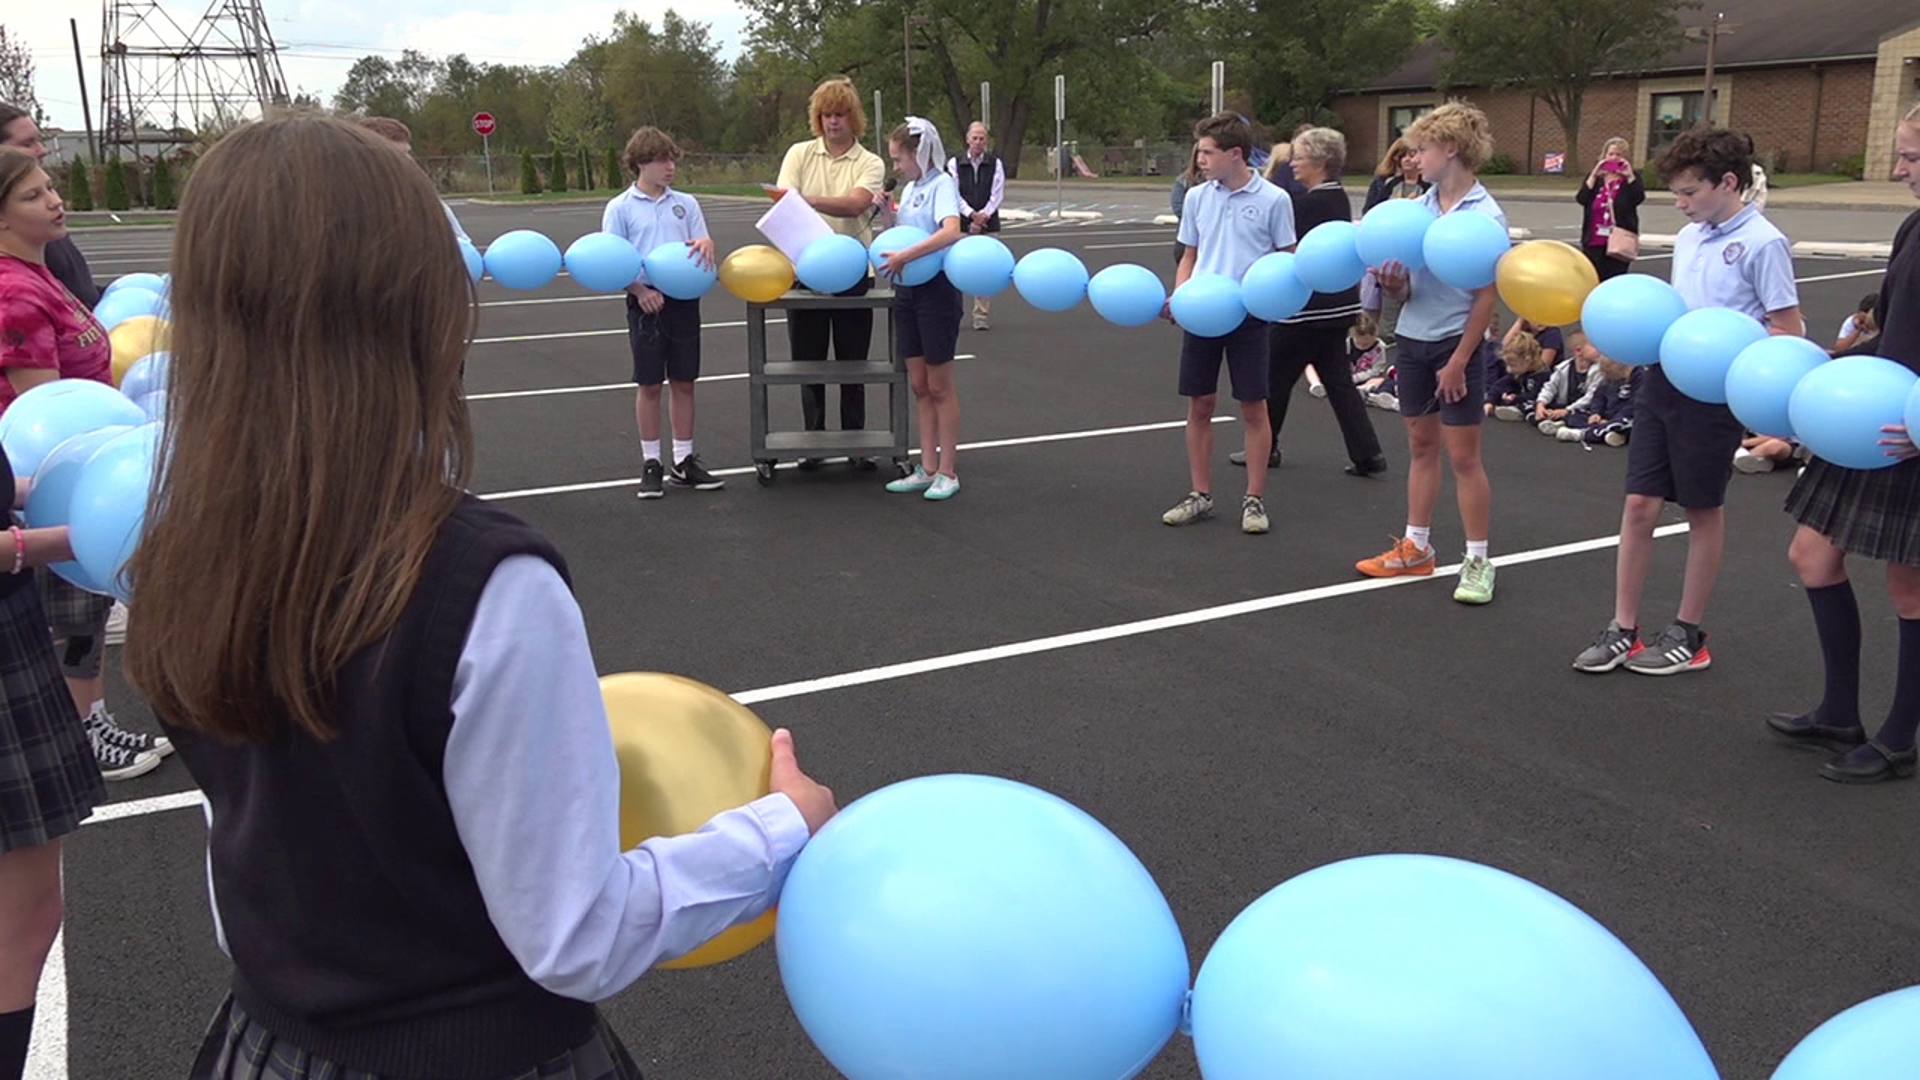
x=384 y=687
x=49 y=779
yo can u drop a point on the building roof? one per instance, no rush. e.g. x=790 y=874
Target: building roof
x=1755 y=33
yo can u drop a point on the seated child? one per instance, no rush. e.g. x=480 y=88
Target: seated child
x=1366 y=356
x=1572 y=378
x=1765 y=453
x=1605 y=414
x=1525 y=373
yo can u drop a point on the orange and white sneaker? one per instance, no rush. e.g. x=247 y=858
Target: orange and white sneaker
x=1402 y=559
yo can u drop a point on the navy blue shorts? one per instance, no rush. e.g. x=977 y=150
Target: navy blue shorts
x=1417 y=367
x=1682 y=448
x=1245 y=350
x=666 y=344
x=926 y=320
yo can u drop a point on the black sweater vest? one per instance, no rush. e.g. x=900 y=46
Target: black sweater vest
x=976 y=187
x=357 y=930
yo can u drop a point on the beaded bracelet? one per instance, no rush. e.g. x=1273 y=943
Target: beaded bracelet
x=19 y=549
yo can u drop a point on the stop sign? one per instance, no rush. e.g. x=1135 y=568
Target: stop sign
x=483 y=123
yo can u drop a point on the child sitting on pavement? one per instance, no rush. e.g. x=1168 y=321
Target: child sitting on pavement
x=1605 y=414
x=1571 y=380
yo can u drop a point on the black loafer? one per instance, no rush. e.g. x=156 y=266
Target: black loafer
x=1372 y=468
x=1871 y=764
x=1802 y=731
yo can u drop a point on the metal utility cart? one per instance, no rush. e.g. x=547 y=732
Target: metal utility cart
x=771 y=447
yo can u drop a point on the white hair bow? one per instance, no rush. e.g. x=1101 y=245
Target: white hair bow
x=931 y=155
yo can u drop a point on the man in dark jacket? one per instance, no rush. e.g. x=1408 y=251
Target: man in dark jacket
x=982 y=180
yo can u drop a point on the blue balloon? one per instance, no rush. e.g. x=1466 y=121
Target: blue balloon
x=1272 y=289
x=1838 y=409
x=126 y=304
x=1762 y=378
x=145 y=375
x=1051 y=279
x=51 y=499
x=1626 y=317
x=53 y=412
x=476 y=265
x=1464 y=248
x=674 y=269
x=1699 y=347
x=980 y=265
x=960 y=927
x=153 y=283
x=1430 y=967
x=1327 y=259
x=900 y=238
x=603 y=262
x=523 y=259
x=1878 y=1039
x=1209 y=305
x=832 y=264
x=1396 y=230
x=109 y=506
x=1127 y=294
x=154 y=405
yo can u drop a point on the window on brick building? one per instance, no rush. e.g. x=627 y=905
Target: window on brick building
x=1673 y=114
x=1401 y=117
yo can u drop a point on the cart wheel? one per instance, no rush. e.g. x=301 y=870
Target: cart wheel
x=763 y=470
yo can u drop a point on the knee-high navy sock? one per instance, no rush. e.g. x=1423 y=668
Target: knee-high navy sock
x=15 y=1029
x=1904 y=716
x=1836 y=617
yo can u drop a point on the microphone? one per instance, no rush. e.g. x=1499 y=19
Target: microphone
x=892 y=182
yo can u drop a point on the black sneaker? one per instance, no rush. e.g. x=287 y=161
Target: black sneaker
x=690 y=473
x=650 y=480
x=109 y=730
x=117 y=760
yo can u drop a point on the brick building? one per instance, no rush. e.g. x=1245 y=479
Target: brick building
x=1815 y=83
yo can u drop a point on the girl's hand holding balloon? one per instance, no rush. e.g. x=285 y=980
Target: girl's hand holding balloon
x=1901 y=445
x=894 y=264
x=1394 y=279
x=703 y=251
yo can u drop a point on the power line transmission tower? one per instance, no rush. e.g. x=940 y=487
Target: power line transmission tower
x=207 y=75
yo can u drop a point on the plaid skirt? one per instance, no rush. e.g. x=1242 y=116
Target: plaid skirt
x=49 y=780
x=236 y=1048
x=1873 y=513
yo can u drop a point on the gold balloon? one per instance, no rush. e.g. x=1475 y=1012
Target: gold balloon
x=686 y=752
x=1546 y=281
x=757 y=274
x=135 y=338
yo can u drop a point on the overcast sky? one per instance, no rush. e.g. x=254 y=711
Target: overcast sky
x=320 y=39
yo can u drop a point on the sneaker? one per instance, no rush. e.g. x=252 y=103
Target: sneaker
x=1616 y=438
x=1672 y=654
x=1611 y=647
x=650 y=480
x=690 y=473
x=1389 y=402
x=1476 y=581
x=1317 y=389
x=1507 y=412
x=1403 y=558
x=117 y=761
x=1253 y=515
x=1551 y=427
x=1239 y=457
x=137 y=741
x=1569 y=434
x=117 y=624
x=979 y=323
x=913 y=482
x=944 y=487
x=1749 y=462
x=1195 y=507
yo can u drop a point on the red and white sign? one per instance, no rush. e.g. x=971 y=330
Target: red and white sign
x=483 y=123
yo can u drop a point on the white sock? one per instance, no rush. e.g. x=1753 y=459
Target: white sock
x=1421 y=535
x=682 y=449
x=650 y=449
x=1476 y=549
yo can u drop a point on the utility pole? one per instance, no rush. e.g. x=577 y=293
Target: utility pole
x=986 y=104
x=879 y=128
x=86 y=109
x=1711 y=32
x=1059 y=145
x=1219 y=86
x=907 y=23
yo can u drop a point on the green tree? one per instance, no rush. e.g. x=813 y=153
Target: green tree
x=163 y=197
x=117 y=197
x=1294 y=57
x=16 y=75
x=79 y=189
x=584 y=169
x=557 y=171
x=616 y=177
x=529 y=174
x=1555 y=49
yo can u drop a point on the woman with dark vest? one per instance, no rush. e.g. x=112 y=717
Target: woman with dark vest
x=388 y=696
x=1318 y=335
x=983 y=184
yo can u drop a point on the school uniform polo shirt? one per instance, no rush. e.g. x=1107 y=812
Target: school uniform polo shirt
x=1231 y=229
x=1744 y=263
x=811 y=169
x=647 y=222
x=1435 y=310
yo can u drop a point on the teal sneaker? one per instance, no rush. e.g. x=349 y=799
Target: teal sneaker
x=1476 y=581
x=916 y=481
x=944 y=487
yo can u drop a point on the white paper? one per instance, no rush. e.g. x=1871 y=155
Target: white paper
x=791 y=225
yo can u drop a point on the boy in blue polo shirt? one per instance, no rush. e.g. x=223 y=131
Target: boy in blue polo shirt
x=1682 y=450
x=1440 y=370
x=663 y=333
x=1226 y=223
